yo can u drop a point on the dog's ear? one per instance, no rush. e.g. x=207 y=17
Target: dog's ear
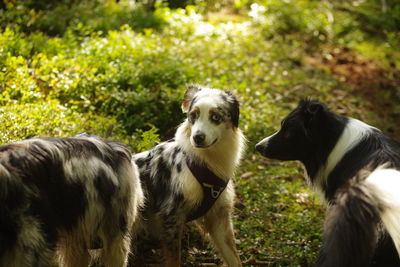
x=233 y=108
x=312 y=110
x=315 y=107
x=191 y=90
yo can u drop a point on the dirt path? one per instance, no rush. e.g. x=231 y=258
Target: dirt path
x=379 y=87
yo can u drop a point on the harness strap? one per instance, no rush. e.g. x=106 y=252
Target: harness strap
x=212 y=187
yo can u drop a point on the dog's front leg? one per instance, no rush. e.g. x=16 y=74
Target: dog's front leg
x=171 y=242
x=218 y=223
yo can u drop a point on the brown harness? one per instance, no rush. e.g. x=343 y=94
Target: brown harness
x=211 y=184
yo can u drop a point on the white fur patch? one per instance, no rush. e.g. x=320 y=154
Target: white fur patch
x=265 y=141
x=352 y=134
x=385 y=185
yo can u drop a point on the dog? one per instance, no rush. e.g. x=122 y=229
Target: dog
x=59 y=197
x=355 y=169
x=190 y=178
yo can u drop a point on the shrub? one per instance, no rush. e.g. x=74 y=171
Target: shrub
x=310 y=21
x=127 y=75
x=55 y=18
x=47 y=118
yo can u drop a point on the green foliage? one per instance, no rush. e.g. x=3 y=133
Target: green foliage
x=146 y=139
x=323 y=21
x=127 y=75
x=311 y=20
x=50 y=118
x=55 y=18
x=377 y=17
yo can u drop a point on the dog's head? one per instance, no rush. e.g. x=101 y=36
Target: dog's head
x=304 y=133
x=210 y=114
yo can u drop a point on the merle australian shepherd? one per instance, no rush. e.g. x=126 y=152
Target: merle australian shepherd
x=356 y=169
x=66 y=195
x=180 y=176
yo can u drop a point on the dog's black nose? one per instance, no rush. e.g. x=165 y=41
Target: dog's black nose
x=259 y=148
x=199 y=138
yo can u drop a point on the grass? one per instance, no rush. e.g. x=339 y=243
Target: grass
x=278 y=218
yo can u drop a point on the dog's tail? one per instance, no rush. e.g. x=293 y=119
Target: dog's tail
x=351 y=230
x=384 y=185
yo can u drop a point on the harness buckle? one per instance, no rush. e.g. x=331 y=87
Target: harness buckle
x=215 y=190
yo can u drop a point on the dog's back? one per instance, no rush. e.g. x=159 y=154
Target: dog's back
x=71 y=193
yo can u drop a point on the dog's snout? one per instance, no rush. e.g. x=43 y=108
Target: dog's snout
x=199 y=138
x=259 y=148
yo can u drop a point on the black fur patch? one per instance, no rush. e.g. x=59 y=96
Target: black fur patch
x=141 y=162
x=175 y=154
x=11 y=203
x=350 y=232
x=385 y=253
x=192 y=103
x=161 y=186
x=179 y=167
x=233 y=109
x=105 y=186
x=57 y=202
x=123 y=225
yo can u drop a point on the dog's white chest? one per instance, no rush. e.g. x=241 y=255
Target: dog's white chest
x=192 y=190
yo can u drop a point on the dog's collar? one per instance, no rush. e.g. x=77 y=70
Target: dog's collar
x=211 y=184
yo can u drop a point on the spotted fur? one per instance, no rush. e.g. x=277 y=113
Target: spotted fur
x=61 y=197
x=210 y=135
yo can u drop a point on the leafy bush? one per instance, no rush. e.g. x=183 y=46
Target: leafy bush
x=55 y=18
x=309 y=20
x=49 y=118
x=127 y=76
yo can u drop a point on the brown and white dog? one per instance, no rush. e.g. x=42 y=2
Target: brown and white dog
x=196 y=167
x=65 y=195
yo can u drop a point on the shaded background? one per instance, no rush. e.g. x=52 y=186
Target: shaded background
x=118 y=69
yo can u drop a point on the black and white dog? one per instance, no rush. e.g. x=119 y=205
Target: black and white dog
x=66 y=195
x=190 y=177
x=356 y=169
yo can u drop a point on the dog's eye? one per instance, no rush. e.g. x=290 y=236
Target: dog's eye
x=216 y=118
x=285 y=132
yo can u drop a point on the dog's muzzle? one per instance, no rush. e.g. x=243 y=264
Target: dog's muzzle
x=199 y=138
x=260 y=147
x=263 y=144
